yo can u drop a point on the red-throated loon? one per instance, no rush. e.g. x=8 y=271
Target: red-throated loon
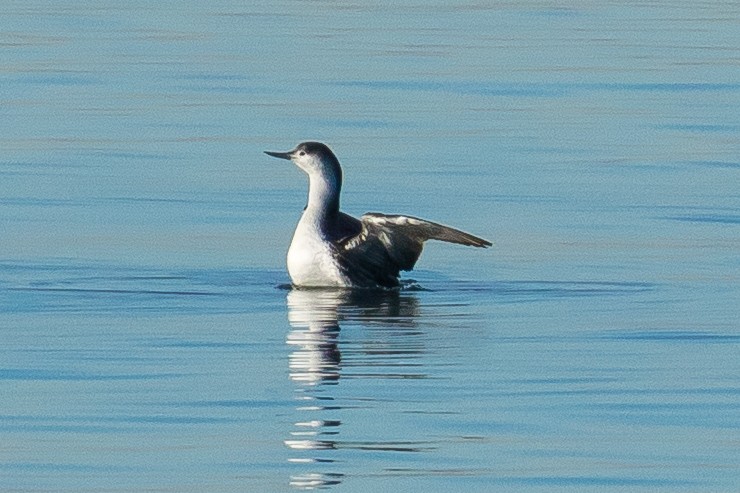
x=333 y=249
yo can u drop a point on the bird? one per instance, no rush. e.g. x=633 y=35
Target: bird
x=331 y=249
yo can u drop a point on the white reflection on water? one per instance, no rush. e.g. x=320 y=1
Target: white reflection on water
x=316 y=368
x=314 y=319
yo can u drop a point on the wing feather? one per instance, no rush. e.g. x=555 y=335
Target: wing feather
x=388 y=244
x=421 y=229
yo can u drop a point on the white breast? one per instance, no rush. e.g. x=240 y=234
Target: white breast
x=310 y=259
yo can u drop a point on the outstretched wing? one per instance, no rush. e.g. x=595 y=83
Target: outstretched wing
x=388 y=244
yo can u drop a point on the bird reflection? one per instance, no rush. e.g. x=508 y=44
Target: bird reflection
x=315 y=365
x=313 y=316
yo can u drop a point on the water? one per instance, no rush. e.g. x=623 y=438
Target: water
x=147 y=342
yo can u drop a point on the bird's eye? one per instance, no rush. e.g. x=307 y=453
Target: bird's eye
x=302 y=153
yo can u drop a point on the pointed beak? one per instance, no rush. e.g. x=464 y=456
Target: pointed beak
x=281 y=155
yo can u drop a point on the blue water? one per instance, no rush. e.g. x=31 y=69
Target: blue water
x=148 y=341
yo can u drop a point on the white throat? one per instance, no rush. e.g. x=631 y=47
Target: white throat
x=323 y=194
x=311 y=259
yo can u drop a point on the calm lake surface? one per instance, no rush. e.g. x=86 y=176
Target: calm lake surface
x=148 y=341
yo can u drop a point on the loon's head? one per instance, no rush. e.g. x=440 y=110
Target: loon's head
x=314 y=158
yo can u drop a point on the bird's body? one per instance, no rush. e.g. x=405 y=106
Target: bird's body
x=312 y=257
x=333 y=249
